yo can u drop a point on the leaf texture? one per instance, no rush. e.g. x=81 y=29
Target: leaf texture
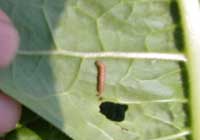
x=62 y=88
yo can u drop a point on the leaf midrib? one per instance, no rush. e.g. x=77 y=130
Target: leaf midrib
x=124 y=55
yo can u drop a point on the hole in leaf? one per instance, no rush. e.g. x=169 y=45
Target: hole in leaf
x=113 y=111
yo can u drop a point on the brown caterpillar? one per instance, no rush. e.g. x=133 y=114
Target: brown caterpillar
x=100 y=77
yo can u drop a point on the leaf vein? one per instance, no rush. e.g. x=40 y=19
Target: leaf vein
x=124 y=55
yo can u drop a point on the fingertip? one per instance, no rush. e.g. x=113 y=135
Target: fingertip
x=4 y=17
x=10 y=112
x=9 y=40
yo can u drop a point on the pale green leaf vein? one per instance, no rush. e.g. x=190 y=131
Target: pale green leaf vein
x=125 y=55
x=48 y=25
x=154 y=101
x=101 y=130
x=175 y=136
x=162 y=120
x=127 y=72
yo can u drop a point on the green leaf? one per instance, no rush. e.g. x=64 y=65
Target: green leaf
x=33 y=127
x=22 y=134
x=45 y=130
x=54 y=73
x=191 y=22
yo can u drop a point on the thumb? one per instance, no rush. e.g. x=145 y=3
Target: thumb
x=10 y=112
x=9 y=40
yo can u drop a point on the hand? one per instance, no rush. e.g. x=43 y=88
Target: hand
x=10 y=110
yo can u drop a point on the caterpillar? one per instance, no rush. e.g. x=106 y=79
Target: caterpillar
x=100 y=77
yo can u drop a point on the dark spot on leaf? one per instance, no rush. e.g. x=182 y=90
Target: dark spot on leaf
x=113 y=111
x=100 y=98
x=178 y=38
x=174 y=10
x=178 y=32
x=186 y=87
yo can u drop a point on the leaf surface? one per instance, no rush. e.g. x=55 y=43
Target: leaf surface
x=62 y=87
x=22 y=134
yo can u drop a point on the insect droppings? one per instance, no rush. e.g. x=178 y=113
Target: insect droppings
x=100 y=77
